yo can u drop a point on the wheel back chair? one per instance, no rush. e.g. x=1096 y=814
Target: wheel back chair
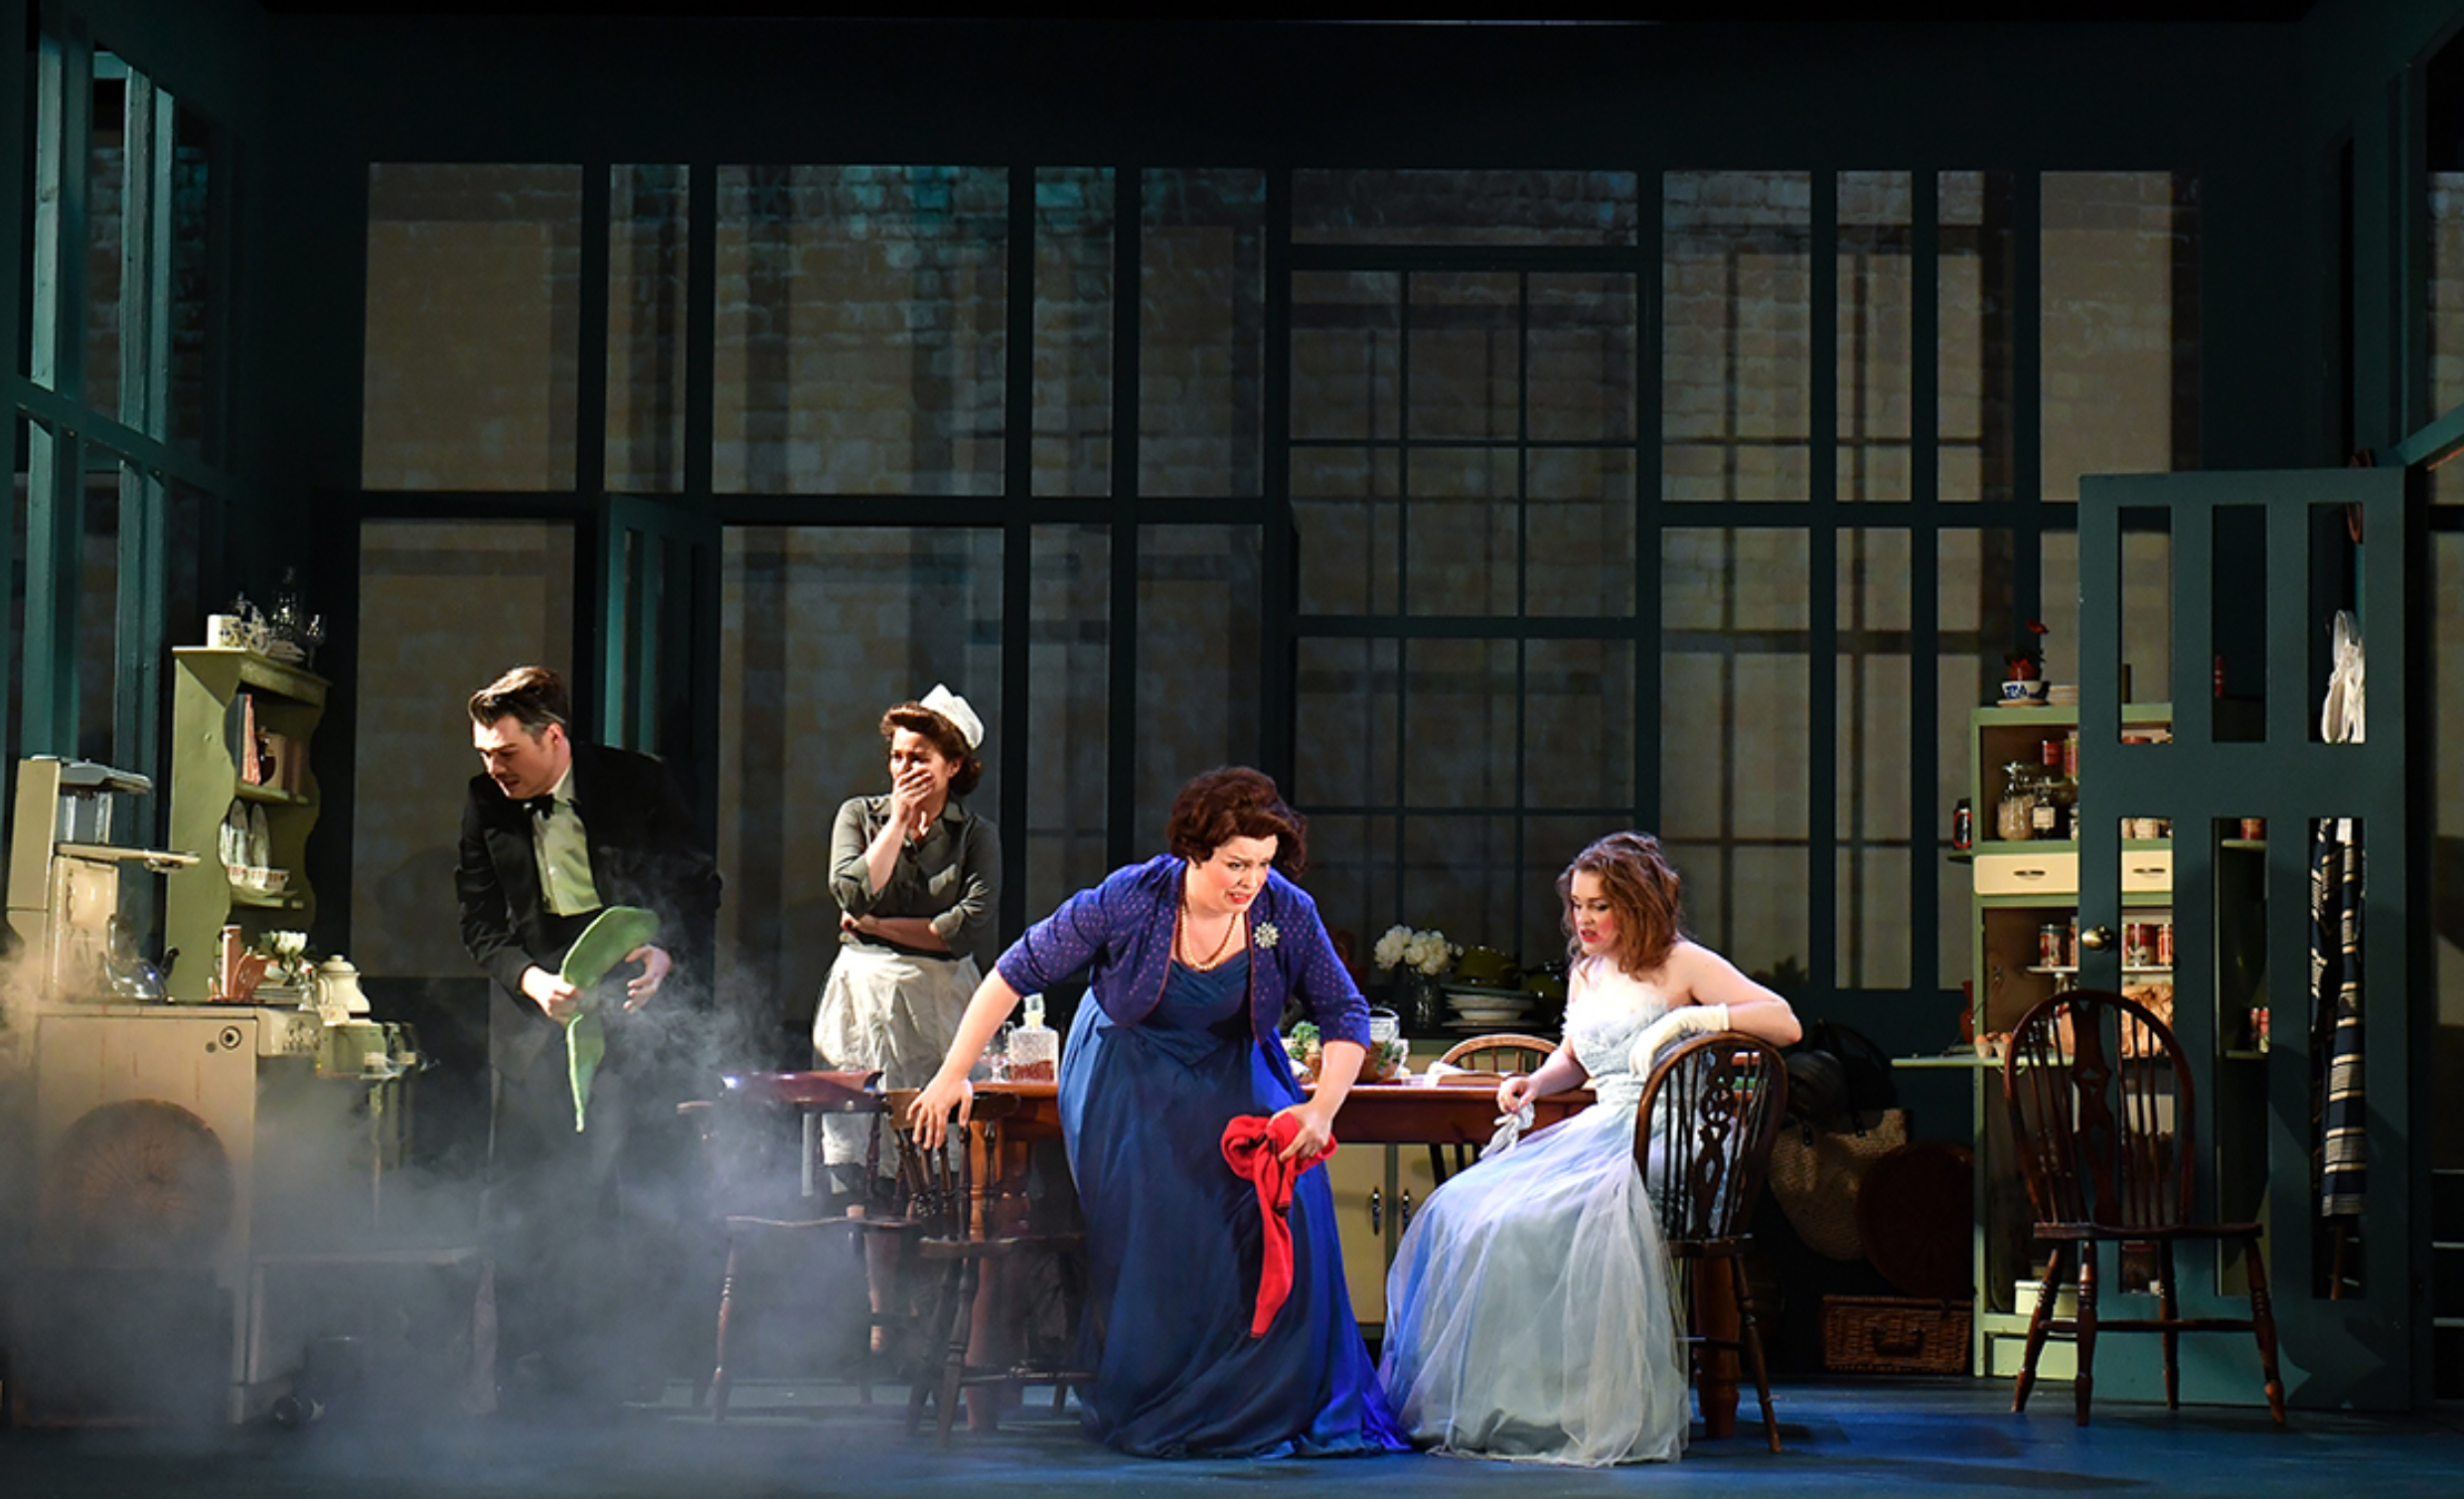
x=2101 y=1111
x=1500 y=1054
x=760 y=1207
x=980 y=1314
x=1703 y=1133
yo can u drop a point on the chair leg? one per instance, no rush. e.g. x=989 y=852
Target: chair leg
x=2039 y=1322
x=2084 y=1382
x=720 y=1378
x=2264 y=1325
x=861 y=1243
x=1751 y=1334
x=924 y=1376
x=2168 y=1312
x=954 y=1359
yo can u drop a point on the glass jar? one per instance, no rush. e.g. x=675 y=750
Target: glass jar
x=2013 y=816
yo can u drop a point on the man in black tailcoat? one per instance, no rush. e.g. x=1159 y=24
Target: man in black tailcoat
x=553 y=831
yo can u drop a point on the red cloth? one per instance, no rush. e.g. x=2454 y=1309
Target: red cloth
x=1251 y=1145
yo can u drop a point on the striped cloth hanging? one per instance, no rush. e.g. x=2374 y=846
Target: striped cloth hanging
x=2339 y=1163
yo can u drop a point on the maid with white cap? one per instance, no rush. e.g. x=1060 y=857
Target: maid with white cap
x=917 y=879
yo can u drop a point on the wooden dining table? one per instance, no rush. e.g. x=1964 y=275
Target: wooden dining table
x=1385 y=1113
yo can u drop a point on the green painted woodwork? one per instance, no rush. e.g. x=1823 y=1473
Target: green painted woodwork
x=658 y=639
x=2002 y=933
x=2370 y=1350
x=200 y=900
x=2238 y=906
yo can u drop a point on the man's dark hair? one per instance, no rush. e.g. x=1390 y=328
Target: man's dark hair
x=534 y=696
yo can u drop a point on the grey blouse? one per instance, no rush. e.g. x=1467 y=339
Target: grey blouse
x=951 y=877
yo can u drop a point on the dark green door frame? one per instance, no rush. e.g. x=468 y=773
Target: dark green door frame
x=2370 y=1350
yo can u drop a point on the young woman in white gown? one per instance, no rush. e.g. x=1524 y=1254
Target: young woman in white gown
x=1529 y=1311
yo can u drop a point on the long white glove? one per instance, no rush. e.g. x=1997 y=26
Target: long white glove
x=1685 y=1020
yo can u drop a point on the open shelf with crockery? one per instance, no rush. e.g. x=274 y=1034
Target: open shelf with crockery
x=241 y=786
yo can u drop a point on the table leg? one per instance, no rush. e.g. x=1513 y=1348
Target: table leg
x=1715 y=1366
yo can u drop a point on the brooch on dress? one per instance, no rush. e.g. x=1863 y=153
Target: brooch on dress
x=1265 y=936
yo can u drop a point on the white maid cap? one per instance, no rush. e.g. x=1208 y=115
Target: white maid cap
x=954 y=708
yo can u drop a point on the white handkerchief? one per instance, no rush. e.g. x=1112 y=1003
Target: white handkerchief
x=1510 y=1128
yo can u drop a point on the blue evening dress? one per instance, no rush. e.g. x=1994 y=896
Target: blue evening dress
x=1174 y=1244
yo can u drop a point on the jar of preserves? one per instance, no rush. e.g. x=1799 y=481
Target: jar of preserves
x=2013 y=816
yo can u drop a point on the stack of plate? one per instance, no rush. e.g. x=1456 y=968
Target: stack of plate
x=1480 y=1010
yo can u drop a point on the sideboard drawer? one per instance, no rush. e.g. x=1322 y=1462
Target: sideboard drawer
x=2145 y=869
x=2027 y=873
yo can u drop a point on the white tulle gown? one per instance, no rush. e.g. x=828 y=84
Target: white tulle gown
x=1529 y=1310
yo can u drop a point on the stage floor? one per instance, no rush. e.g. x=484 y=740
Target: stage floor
x=1901 y=1438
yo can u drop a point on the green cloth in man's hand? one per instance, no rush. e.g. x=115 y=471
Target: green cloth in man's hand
x=612 y=934
x=585 y=1042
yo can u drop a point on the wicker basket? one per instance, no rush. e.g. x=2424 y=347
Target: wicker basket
x=1893 y=1335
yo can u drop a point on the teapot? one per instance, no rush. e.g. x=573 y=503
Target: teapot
x=338 y=994
x=132 y=975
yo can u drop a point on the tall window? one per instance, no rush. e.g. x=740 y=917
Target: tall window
x=120 y=397
x=1463 y=461
x=1513 y=507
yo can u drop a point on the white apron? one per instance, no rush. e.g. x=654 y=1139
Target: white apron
x=889 y=1012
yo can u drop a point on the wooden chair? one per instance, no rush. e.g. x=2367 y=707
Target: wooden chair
x=2101 y=1111
x=1500 y=1054
x=972 y=1224
x=1703 y=1135
x=757 y=1204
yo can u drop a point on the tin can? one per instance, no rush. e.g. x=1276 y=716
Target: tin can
x=2138 y=944
x=1963 y=824
x=2050 y=946
x=2164 y=944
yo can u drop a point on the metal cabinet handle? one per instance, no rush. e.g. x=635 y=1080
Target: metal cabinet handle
x=1377 y=1211
x=1403 y=1208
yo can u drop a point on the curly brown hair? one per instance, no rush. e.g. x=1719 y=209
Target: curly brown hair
x=944 y=736
x=1642 y=889
x=1235 y=802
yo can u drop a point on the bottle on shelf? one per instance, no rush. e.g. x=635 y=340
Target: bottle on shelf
x=2045 y=816
x=2013 y=816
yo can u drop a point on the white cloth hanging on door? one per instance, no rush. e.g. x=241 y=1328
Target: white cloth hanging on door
x=2340 y=717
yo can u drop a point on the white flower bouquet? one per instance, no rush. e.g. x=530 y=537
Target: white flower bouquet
x=1421 y=952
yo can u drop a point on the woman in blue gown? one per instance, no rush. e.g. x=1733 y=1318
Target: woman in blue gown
x=1193 y=957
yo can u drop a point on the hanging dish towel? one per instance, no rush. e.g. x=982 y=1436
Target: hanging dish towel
x=611 y=935
x=1251 y=1145
x=2340 y=1165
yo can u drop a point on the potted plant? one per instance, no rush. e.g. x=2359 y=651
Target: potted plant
x=2023 y=673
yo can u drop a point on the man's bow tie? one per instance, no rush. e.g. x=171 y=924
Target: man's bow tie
x=545 y=805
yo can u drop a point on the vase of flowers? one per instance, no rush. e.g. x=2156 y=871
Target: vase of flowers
x=1419 y=958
